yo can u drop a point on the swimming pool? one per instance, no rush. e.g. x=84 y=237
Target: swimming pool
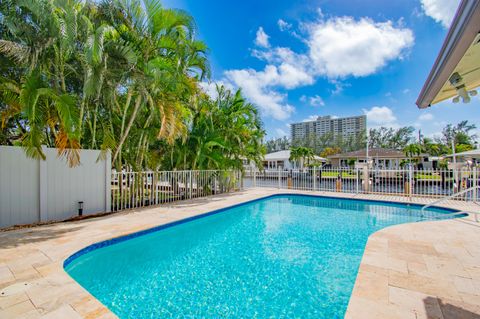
x=282 y=256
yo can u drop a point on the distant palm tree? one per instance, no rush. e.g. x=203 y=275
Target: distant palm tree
x=412 y=150
x=431 y=148
x=303 y=154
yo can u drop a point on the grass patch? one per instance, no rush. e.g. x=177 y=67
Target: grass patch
x=335 y=174
x=428 y=177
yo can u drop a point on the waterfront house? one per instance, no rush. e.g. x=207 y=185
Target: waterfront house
x=464 y=159
x=380 y=158
x=281 y=161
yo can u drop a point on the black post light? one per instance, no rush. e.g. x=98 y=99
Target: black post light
x=80 y=208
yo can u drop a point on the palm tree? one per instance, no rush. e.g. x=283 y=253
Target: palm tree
x=222 y=133
x=121 y=75
x=431 y=148
x=39 y=37
x=161 y=80
x=304 y=154
x=412 y=150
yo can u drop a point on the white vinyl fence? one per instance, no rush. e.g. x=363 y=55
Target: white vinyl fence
x=140 y=189
x=33 y=191
x=402 y=182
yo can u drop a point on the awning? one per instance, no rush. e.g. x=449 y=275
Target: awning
x=456 y=71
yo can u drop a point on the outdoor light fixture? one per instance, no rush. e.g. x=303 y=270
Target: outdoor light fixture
x=457 y=81
x=80 y=208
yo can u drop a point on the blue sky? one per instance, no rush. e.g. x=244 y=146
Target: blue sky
x=299 y=59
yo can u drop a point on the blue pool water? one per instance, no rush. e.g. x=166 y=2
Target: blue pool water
x=287 y=256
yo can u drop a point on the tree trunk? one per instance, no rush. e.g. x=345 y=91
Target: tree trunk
x=124 y=116
x=94 y=129
x=138 y=102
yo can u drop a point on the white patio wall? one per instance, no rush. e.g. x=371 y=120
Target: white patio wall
x=34 y=191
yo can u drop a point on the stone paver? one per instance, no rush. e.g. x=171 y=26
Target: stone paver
x=420 y=270
x=440 y=280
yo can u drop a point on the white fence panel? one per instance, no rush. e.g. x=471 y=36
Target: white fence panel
x=19 y=181
x=66 y=186
x=36 y=191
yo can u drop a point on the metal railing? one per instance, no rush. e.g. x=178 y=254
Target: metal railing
x=409 y=182
x=139 y=189
x=460 y=193
x=440 y=216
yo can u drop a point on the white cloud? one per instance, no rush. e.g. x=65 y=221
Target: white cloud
x=256 y=87
x=343 y=46
x=440 y=123
x=291 y=68
x=280 y=132
x=291 y=76
x=314 y=118
x=336 y=48
x=285 y=75
x=283 y=25
x=381 y=116
x=285 y=70
x=320 y=13
x=425 y=117
x=310 y=118
x=406 y=91
x=211 y=87
x=316 y=101
x=339 y=86
x=262 y=38
x=389 y=95
x=435 y=135
x=418 y=13
x=441 y=11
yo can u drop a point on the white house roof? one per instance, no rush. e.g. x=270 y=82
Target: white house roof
x=472 y=153
x=278 y=156
x=285 y=155
x=372 y=152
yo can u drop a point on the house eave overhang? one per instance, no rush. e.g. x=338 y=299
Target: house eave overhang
x=461 y=36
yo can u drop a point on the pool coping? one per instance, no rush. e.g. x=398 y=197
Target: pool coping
x=36 y=255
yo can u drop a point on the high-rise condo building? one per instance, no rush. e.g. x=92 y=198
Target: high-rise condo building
x=346 y=127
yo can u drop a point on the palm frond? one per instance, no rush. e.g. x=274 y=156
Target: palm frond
x=13 y=106
x=29 y=96
x=65 y=105
x=16 y=51
x=109 y=142
x=68 y=148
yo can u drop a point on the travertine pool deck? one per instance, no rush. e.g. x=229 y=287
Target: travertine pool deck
x=419 y=270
